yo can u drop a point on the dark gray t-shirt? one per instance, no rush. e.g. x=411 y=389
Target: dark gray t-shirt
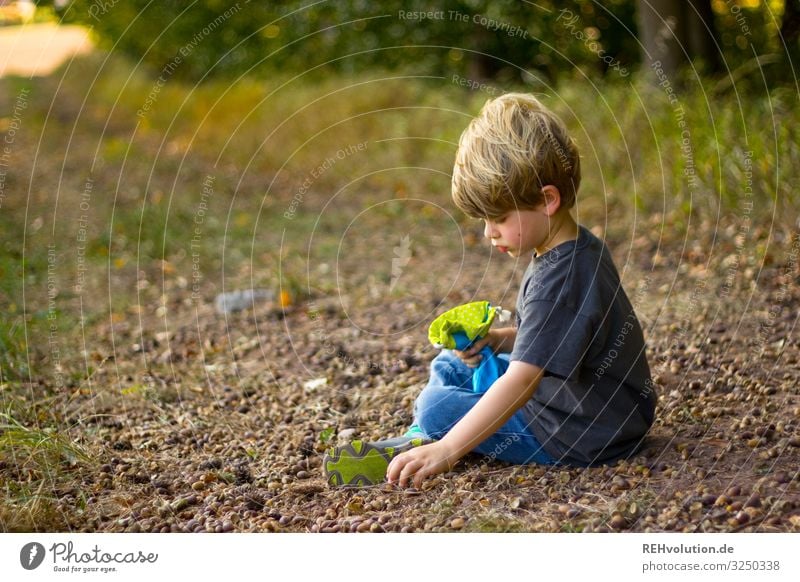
x=596 y=401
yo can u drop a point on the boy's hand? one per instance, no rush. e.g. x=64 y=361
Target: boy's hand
x=499 y=340
x=419 y=463
x=471 y=356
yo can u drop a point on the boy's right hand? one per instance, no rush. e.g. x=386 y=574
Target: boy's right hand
x=471 y=356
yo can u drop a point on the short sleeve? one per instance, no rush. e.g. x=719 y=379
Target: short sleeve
x=553 y=337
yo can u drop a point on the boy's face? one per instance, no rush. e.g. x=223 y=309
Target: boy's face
x=519 y=232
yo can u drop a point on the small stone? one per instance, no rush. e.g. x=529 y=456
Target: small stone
x=346 y=434
x=753 y=512
x=782 y=477
x=457 y=523
x=198 y=485
x=621 y=482
x=742 y=518
x=708 y=499
x=753 y=501
x=211 y=464
x=618 y=522
x=733 y=491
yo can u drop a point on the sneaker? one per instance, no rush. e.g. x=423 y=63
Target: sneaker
x=361 y=464
x=414 y=431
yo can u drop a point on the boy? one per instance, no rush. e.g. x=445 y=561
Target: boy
x=577 y=390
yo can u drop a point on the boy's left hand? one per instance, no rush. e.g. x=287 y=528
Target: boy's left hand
x=419 y=463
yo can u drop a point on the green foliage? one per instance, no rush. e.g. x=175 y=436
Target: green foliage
x=12 y=338
x=474 y=38
x=13 y=349
x=326 y=435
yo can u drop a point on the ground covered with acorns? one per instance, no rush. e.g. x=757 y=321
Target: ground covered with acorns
x=196 y=421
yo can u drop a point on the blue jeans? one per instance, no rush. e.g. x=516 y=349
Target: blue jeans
x=448 y=396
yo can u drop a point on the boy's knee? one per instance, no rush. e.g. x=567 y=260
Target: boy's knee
x=427 y=400
x=436 y=410
x=447 y=369
x=445 y=359
x=425 y=410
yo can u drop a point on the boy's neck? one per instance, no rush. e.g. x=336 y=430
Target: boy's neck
x=564 y=229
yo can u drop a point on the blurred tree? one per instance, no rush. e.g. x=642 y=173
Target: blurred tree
x=475 y=39
x=701 y=33
x=790 y=26
x=676 y=32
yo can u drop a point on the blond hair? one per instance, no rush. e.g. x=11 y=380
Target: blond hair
x=507 y=154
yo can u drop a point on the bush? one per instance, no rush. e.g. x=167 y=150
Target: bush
x=474 y=38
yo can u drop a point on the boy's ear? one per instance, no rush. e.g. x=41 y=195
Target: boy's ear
x=552 y=199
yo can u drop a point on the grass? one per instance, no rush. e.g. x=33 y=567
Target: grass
x=41 y=462
x=282 y=193
x=13 y=348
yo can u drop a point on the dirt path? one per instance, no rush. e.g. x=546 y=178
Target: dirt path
x=225 y=433
x=38 y=49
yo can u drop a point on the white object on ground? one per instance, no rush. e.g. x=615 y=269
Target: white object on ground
x=241 y=299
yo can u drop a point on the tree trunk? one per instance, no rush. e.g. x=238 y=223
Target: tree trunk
x=790 y=27
x=662 y=34
x=701 y=34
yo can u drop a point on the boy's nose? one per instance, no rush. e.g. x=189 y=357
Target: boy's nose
x=488 y=231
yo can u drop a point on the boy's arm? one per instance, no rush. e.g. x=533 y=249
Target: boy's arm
x=501 y=401
x=504 y=344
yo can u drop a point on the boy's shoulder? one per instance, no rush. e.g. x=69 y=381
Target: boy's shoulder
x=571 y=273
x=585 y=247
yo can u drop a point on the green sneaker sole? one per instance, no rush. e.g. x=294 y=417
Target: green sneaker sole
x=361 y=464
